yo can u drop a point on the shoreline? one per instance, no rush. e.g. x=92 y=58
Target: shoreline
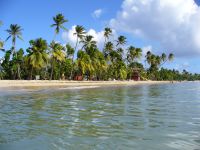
x=67 y=83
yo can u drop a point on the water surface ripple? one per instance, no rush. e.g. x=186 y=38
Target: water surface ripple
x=152 y=117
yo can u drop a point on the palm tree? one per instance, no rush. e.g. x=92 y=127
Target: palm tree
x=121 y=40
x=171 y=57
x=59 y=20
x=69 y=51
x=14 y=32
x=164 y=58
x=133 y=54
x=84 y=63
x=109 y=47
x=37 y=56
x=58 y=55
x=88 y=42
x=107 y=34
x=80 y=33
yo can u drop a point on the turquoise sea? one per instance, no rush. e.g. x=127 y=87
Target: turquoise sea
x=142 y=117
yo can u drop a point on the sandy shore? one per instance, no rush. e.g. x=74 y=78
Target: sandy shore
x=67 y=84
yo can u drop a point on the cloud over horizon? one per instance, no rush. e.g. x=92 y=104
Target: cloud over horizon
x=174 y=25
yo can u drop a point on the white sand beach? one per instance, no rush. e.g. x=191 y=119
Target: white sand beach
x=71 y=84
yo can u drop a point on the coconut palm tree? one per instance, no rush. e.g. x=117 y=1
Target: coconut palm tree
x=164 y=58
x=107 y=34
x=121 y=40
x=15 y=31
x=80 y=33
x=134 y=54
x=69 y=51
x=57 y=55
x=59 y=21
x=84 y=63
x=171 y=57
x=88 y=42
x=37 y=56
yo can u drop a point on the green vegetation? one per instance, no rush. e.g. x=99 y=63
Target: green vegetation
x=56 y=61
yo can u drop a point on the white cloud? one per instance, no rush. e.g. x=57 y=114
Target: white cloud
x=97 y=13
x=174 y=24
x=69 y=37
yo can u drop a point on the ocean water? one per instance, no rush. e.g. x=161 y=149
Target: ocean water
x=142 y=117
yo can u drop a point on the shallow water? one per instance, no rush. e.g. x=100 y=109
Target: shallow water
x=145 y=117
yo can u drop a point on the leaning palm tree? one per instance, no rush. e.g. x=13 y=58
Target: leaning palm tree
x=37 y=56
x=121 y=40
x=59 y=20
x=164 y=58
x=133 y=54
x=171 y=57
x=80 y=34
x=57 y=55
x=14 y=32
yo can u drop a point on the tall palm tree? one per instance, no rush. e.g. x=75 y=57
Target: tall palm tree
x=69 y=51
x=59 y=20
x=164 y=58
x=37 y=56
x=15 y=31
x=57 y=55
x=109 y=47
x=80 y=33
x=121 y=40
x=84 y=62
x=107 y=34
x=171 y=57
x=88 y=42
x=133 y=54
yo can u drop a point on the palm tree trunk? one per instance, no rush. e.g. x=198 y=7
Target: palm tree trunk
x=59 y=71
x=31 y=73
x=52 y=67
x=73 y=59
x=54 y=37
x=18 y=72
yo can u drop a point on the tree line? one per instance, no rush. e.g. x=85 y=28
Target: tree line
x=54 y=61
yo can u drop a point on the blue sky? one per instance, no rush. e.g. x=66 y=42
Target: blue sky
x=35 y=17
